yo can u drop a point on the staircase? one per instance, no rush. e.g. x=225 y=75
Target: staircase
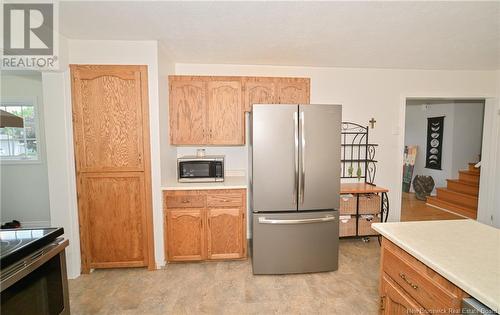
x=461 y=195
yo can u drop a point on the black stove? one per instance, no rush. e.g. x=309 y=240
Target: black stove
x=18 y=243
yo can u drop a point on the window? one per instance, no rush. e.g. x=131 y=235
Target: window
x=20 y=144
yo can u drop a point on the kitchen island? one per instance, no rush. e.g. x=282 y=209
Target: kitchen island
x=430 y=266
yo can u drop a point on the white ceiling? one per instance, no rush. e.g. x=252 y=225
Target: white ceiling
x=412 y=35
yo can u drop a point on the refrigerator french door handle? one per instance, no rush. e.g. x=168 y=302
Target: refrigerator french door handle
x=303 y=160
x=263 y=220
x=296 y=156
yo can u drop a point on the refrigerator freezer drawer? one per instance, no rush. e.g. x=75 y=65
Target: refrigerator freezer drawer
x=295 y=242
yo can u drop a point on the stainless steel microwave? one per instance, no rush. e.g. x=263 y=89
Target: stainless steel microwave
x=209 y=168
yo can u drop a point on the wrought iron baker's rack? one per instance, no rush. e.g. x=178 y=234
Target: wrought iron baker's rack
x=358 y=159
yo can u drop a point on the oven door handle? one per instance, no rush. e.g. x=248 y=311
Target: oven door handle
x=19 y=270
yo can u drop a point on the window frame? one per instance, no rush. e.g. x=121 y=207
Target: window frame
x=25 y=101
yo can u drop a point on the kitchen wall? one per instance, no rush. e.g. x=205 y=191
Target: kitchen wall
x=467 y=134
x=24 y=185
x=367 y=93
x=462 y=136
x=236 y=156
x=167 y=152
x=495 y=208
x=489 y=185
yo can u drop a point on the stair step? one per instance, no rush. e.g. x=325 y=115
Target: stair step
x=465 y=211
x=472 y=168
x=463 y=187
x=454 y=197
x=469 y=176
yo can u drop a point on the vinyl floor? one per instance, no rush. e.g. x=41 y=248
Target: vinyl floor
x=231 y=288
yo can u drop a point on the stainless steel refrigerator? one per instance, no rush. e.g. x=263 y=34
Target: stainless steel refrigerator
x=295 y=183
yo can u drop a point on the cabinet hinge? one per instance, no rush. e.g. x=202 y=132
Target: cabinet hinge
x=382 y=306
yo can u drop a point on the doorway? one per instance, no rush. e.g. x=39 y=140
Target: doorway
x=443 y=139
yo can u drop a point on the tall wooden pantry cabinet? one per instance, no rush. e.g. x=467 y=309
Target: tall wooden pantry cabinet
x=113 y=173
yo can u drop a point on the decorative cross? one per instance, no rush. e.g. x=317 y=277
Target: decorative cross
x=372 y=122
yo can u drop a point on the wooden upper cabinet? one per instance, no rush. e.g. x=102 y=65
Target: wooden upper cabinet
x=293 y=91
x=259 y=91
x=225 y=114
x=108 y=115
x=188 y=112
x=206 y=110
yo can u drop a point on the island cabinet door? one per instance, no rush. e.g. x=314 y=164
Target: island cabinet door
x=395 y=301
x=185 y=234
x=225 y=233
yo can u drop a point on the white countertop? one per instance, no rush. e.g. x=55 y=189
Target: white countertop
x=230 y=182
x=465 y=252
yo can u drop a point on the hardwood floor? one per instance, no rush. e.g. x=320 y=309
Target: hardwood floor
x=413 y=209
x=230 y=288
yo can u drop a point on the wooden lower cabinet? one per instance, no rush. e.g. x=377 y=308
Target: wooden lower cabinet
x=186 y=234
x=395 y=301
x=407 y=286
x=216 y=230
x=225 y=233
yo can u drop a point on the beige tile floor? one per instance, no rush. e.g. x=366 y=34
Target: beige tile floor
x=230 y=288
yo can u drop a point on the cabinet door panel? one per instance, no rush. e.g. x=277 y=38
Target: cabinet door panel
x=225 y=233
x=188 y=112
x=107 y=114
x=397 y=301
x=185 y=234
x=111 y=137
x=259 y=91
x=112 y=219
x=292 y=91
x=225 y=114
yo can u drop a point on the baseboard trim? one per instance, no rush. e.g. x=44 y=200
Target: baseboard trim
x=161 y=264
x=449 y=211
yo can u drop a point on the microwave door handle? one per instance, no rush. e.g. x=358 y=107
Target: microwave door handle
x=303 y=159
x=212 y=169
x=296 y=156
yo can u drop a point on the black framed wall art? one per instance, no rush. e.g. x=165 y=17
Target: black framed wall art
x=435 y=129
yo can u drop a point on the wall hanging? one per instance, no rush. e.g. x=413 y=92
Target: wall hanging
x=409 y=164
x=435 y=129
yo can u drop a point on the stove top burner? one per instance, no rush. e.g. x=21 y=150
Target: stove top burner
x=18 y=243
